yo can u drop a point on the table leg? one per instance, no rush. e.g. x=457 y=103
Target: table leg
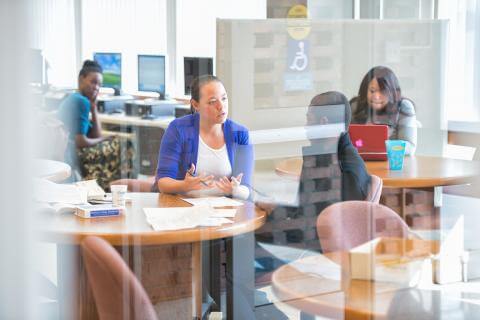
x=403 y=204
x=197 y=279
x=211 y=276
x=240 y=277
x=306 y=316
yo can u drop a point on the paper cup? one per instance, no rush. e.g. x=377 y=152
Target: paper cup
x=395 y=153
x=118 y=195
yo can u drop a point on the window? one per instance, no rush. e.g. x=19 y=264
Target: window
x=53 y=32
x=463 y=74
x=131 y=27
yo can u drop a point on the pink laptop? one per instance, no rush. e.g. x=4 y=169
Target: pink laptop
x=369 y=139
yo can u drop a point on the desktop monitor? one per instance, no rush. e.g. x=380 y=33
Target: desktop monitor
x=194 y=67
x=111 y=64
x=151 y=74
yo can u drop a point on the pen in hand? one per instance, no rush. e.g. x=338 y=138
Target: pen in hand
x=191 y=172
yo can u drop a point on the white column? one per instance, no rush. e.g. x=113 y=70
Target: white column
x=78 y=33
x=171 y=69
x=16 y=236
x=356 y=9
x=382 y=6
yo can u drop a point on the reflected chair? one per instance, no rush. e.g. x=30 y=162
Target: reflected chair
x=345 y=225
x=375 y=189
x=136 y=185
x=117 y=292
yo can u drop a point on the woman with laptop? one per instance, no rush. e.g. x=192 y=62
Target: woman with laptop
x=205 y=153
x=380 y=101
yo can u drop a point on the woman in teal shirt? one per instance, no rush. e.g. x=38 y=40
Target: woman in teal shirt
x=95 y=156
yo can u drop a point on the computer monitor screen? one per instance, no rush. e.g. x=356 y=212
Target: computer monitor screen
x=111 y=64
x=151 y=74
x=194 y=67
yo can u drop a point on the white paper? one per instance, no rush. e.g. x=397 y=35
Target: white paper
x=93 y=189
x=64 y=208
x=47 y=191
x=224 y=213
x=319 y=266
x=55 y=207
x=214 y=202
x=214 y=222
x=162 y=219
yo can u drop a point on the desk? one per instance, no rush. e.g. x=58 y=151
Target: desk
x=124 y=120
x=132 y=230
x=359 y=299
x=51 y=170
x=145 y=135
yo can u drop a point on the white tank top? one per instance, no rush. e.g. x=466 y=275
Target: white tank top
x=213 y=161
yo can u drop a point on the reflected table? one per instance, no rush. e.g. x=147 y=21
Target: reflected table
x=132 y=230
x=320 y=291
x=418 y=172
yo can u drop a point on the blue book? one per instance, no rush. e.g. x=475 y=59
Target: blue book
x=97 y=211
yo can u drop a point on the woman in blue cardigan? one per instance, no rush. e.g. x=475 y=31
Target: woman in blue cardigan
x=205 y=153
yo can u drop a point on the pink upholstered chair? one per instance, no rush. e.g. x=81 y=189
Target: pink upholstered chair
x=136 y=185
x=345 y=225
x=375 y=189
x=117 y=292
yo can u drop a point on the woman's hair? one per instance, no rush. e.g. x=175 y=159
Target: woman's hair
x=89 y=66
x=390 y=87
x=197 y=84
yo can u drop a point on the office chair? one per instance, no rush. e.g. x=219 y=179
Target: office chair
x=117 y=292
x=375 y=190
x=345 y=225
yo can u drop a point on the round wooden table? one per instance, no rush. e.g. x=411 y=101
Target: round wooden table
x=321 y=294
x=51 y=170
x=130 y=229
x=133 y=229
x=418 y=171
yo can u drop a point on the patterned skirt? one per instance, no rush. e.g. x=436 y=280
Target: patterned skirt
x=107 y=161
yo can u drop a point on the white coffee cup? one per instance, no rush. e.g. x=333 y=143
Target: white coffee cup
x=118 y=195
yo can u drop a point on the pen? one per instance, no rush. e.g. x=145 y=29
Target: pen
x=189 y=171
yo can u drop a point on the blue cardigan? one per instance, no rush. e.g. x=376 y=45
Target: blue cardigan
x=179 y=149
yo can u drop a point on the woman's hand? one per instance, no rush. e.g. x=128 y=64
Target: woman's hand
x=227 y=185
x=192 y=182
x=93 y=106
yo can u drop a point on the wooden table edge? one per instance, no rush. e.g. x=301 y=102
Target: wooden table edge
x=133 y=239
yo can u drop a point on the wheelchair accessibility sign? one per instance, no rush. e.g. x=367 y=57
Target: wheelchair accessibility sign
x=297 y=55
x=297 y=76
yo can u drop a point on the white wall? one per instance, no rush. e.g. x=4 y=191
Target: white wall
x=53 y=31
x=131 y=27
